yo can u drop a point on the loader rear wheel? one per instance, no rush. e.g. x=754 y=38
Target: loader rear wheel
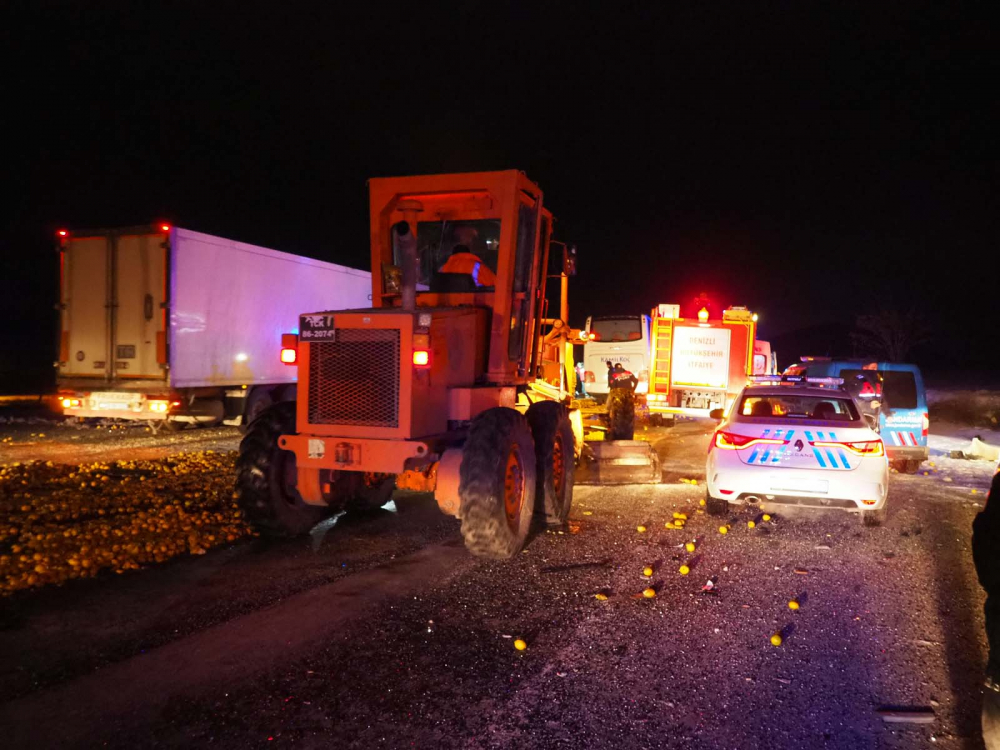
x=716 y=506
x=266 y=478
x=497 y=480
x=553 y=436
x=621 y=414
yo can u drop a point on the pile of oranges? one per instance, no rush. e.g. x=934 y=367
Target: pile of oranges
x=63 y=522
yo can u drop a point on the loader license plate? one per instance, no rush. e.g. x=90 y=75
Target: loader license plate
x=799 y=485
x=317 y=327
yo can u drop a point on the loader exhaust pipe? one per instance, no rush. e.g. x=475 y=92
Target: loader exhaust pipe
x=406 y=246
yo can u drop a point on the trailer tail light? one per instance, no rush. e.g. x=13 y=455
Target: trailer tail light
x=159 y=406
x=926 y=425
x=421 y=358
x=872 y=448
x=730 y=441
x=289 y=348
x=588 y=376
x=71 y=403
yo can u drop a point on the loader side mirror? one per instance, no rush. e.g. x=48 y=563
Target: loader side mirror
x=717 y=414
x=569 y=260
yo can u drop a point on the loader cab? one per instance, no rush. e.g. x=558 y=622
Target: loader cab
x=482 y=241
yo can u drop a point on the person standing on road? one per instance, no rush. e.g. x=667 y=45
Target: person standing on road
x=611 y=372
x=985 y=554
x=581 y=388
x=622 y=378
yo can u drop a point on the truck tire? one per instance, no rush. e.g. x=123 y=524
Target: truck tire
x=369 y=491
x=265 y=478
x=621 y=414
x=497 y=480
x=553 y=436
x=874 y=517
x=716 y=506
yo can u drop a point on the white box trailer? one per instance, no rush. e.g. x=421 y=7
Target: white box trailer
x=168 y=325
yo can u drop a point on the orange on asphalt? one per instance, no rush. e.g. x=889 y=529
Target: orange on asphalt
x=649 y=593
x=520 y=645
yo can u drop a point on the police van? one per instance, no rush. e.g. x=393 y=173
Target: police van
x=614 y=339
x=892 y=392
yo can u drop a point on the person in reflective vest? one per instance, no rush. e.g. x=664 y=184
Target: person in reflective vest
x=622 y=378
x=464 y=261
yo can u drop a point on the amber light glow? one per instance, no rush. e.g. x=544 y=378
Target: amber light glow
x=421 y=358
x=288 y=356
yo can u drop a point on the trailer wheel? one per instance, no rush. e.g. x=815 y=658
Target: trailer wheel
x=369 y=491
x=716 y=506
x=497 y=484
x=553 y=436
x=266 y=478
x=621 y=414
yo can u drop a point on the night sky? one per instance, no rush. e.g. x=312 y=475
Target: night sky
x=811 y=161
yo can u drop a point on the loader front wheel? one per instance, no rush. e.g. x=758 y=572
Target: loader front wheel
x=497 y=480
x=621 y=414
x=553 y=436
x=266 y=477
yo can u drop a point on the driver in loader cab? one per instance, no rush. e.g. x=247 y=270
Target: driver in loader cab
x=464 y=261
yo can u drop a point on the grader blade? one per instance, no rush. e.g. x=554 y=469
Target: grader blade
x=619 y=462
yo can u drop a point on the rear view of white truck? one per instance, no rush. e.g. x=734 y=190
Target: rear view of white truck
x=172 y=326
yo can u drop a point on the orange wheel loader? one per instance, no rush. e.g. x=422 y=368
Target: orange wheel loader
x=454 y=382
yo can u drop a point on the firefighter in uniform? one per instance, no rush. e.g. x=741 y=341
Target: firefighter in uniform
x=621 y=403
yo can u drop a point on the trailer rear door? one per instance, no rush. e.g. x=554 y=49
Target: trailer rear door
x=140 y=283
x=84 y=305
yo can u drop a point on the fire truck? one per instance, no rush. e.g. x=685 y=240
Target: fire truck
x=698 y=365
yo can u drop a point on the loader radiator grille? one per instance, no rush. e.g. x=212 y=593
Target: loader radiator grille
x=354 y=379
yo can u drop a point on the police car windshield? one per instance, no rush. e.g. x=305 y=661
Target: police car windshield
x=798 y=406
x=437 y=239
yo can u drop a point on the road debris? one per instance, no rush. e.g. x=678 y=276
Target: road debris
x=907 y=715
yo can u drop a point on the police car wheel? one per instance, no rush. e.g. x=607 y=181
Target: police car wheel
x=265 y=478
x=553 y=436
x=497 y=481
x=716 y=506
x=873 y=517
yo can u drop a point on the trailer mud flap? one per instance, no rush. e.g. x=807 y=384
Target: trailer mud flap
x=618 y=462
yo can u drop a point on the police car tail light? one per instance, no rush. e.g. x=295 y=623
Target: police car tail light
x=289 y=348
x=926 y=425
x=730 y=441
x=867 y=448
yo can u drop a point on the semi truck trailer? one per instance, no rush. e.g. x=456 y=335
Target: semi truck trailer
x=173 y=327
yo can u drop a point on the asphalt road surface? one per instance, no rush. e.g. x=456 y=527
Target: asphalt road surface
x=381 y=631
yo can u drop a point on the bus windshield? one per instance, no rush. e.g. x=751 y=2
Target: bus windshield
x=616 y=329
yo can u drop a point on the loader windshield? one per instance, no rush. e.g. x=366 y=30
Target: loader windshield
x=436 y=242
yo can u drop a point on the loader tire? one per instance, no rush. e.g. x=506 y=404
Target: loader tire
x=497 y=480
x=553 y=436
x=716 y=506
x=265 y=478
x=369 y=491
x=258 y=402
x=621 y=414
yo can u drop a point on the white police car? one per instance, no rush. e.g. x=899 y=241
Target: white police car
x=797 y=441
